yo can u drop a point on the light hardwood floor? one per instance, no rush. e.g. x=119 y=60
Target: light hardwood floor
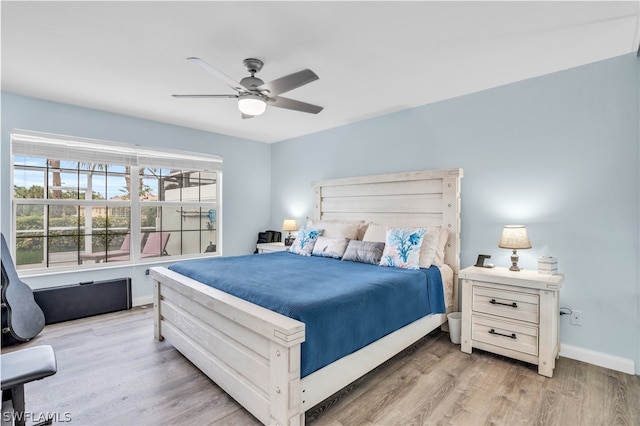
x=112 y=372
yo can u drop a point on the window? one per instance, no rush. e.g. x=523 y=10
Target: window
x=85 y=202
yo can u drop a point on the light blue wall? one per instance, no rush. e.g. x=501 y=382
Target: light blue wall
x=559 y=153
x=246 y=193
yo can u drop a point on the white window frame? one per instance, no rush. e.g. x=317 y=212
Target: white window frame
x=67 y=148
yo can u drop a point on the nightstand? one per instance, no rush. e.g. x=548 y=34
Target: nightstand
x=515 y=314
x=271 y=247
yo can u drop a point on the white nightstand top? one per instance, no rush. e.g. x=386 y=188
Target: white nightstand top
x=269 y=247
x=524 y=278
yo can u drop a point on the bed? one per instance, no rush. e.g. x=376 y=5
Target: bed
x=254 y=353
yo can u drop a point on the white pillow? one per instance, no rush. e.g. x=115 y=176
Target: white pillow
x=362 y=226
x=330 y=247
x=429 y=247
x=362 y=229
x=336 y=229
x=375 y=232
x=442 y=245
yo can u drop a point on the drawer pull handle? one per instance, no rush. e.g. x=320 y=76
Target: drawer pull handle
x=512 y=336
x=513 y=305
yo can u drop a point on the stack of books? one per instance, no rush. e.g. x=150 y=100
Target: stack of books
x=547 y=265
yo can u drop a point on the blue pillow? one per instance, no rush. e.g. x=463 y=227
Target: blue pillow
x=402 y=248
x=306 y=239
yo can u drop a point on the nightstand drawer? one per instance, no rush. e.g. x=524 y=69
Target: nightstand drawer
x=508 y=304
x=505 y=334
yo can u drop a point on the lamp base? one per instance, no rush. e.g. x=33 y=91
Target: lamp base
x=514 y=261
x=288 y=241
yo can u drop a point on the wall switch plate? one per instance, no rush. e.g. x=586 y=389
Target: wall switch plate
x=576 y=317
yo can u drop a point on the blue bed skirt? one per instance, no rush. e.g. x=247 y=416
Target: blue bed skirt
x=344 y=305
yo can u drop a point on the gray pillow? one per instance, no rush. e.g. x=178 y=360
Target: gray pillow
x=364 y=252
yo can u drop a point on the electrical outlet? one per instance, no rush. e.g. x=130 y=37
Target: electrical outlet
x=576 y=317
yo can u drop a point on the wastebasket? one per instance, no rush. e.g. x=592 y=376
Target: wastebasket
x=455 y=326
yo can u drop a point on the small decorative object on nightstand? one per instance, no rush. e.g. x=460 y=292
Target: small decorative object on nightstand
x=289 y=225
x=271 y=247
x=514 y=314
x=548 y=265
x=514 y=237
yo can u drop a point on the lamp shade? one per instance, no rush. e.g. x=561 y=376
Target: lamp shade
x=251 y=104
x=514 y=237
x=289 y=225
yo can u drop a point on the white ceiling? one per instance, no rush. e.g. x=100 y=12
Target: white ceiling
x=373 y=58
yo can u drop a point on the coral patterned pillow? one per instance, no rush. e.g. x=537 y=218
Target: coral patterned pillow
x=306 y=239
x=402 y=248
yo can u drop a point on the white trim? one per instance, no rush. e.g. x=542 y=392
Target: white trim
x=600 y=359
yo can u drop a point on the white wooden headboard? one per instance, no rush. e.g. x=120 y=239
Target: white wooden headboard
x=424 y=198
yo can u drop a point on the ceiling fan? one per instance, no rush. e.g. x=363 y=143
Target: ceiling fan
x=253 y=94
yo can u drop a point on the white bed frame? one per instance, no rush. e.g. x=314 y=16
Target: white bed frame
x=253 y=353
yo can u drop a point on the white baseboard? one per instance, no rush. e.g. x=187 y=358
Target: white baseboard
x=598 y=358
x=144 y=300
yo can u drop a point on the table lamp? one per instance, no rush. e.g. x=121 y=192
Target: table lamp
x=289 y=225
x=514 y=237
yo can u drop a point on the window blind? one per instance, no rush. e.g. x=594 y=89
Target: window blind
x=42 y=145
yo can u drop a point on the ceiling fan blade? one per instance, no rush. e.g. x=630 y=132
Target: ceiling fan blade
x=222 y=76
x=205 y=96
x=246 y=115
x=287 y=103
x=288 y=82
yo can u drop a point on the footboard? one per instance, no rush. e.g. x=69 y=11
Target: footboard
x=250 y=352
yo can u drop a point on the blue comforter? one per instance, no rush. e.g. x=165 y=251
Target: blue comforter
x=344 y=305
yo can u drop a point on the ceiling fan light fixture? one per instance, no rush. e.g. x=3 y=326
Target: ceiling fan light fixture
x=251 y=104
x=253 y=94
